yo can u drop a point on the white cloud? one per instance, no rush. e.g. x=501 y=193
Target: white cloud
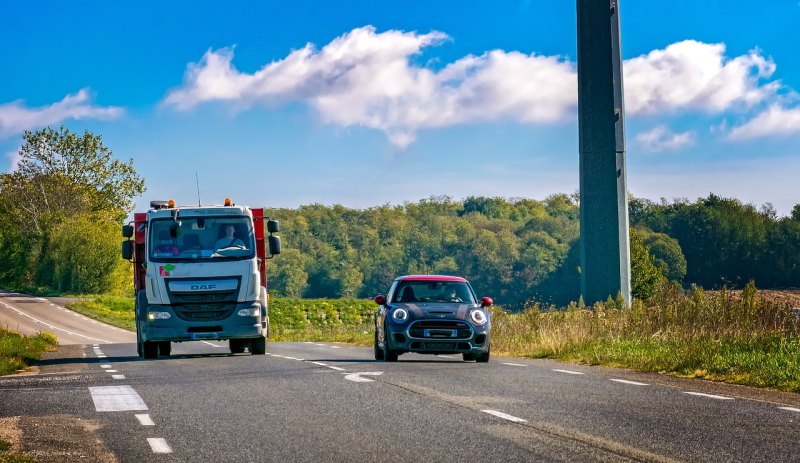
x=15 y=117
x=365 y=78
x=660 y=138
x=775 y=120
x=695 y=75
x=13 y=159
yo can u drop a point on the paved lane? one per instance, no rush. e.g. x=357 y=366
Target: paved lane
x=31 y=315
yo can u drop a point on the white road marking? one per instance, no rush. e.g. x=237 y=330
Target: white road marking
x=625 y=381
x=318 y=344
x=570 y=372
x=505 y=416
x=118 y=376
x=41 y=299
x=105 y=366
x=791 y=409
x=356 y=377
x=55 y=327
x=293 y=358
x=710 y=396
x=320 y=364
x=514 y=364
x=145 y=419
x=116 y=399
x=334 y=347
x=159 y=445
x=111 y=371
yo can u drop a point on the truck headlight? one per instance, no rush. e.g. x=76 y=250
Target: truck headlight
x=400 y=315
x=478 y=317
x=250 y=312
x=159 y=315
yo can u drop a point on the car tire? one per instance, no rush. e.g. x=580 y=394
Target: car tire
x=258 y=346
x=376 y=348
x=468 y=357
x=388 y=354
x=482 y=358
x=150 y=349
x=164 y=348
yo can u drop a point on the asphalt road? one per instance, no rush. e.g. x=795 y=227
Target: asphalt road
x=324 y=402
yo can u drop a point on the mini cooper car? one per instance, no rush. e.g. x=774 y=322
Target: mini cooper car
x=432 y=314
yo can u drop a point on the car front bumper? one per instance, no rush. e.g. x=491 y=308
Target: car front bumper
x=438 y=337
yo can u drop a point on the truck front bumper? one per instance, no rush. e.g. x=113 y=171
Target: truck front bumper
x=161 y=327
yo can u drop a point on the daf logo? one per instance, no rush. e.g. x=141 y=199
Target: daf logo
x=203 y=287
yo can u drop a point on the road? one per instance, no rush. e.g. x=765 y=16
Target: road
x=325 y=402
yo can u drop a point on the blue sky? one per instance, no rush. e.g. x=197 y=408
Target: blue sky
x=280 y=104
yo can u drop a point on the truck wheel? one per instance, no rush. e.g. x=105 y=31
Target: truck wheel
x=150 y=349
x=164 y=348
x=258 y=346
x=236 y=346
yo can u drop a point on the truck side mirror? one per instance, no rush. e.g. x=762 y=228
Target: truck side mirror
x=273 y=226
x=274 y=245
x=127 y=231
x=127 y=249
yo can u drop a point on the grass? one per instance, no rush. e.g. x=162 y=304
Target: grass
x=114 y=310
x=17 y=351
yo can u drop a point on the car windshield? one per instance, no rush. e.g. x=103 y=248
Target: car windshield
x=200 y=238
x=433 y=291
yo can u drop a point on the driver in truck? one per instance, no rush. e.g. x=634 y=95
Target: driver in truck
x=229 y=240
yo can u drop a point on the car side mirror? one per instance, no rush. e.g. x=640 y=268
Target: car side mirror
x=486 y=302
x=380 y=299
x=127 y=231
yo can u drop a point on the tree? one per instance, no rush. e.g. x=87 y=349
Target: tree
x=645 y=276
x=666 y=252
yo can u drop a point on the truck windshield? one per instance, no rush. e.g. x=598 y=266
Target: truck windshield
x=201 y=238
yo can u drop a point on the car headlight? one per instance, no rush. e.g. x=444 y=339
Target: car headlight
x=478 y=317
x=158 y=315
x=400 y=315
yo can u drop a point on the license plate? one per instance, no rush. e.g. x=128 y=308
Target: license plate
x=439 y=333
x=197 y=336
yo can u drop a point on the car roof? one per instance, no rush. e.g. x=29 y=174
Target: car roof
x=431 y=278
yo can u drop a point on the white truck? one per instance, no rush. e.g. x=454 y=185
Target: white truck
x=199 y=273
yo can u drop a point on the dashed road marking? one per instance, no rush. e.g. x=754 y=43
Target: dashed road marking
x=569 y=372
x=105 y=366
x=334 y=347
x=320 y=364
x=335 y=368
x=292 y=358
x=118 y=376
x=505 y=416
x=111 y=371
x=116 y=399
x=357 y=378
x=514 y=364
x=625 y=381
x=710 y=396
x=145 y=419
x=159 y=445
x=791 y=409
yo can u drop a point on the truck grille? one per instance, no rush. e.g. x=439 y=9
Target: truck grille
x=440 y=329
x=200 y=306
x=204 y=312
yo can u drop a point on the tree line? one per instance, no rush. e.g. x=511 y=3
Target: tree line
x=62 y=206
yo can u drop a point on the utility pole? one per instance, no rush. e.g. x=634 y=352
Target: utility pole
x=604 y=245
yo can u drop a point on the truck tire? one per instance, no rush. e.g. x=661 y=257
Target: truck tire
x=236 y=346
x=140 y=309
x=258 y=346
x=164 y=348
x=150 y=349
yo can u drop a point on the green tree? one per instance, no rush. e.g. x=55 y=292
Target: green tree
x=645 y=276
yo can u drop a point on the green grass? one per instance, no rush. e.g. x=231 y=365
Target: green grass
x=114 y=310
x=17 y=351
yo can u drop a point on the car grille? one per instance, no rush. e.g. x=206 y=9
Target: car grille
x=440 y=329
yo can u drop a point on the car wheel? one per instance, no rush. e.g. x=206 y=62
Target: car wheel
x=468 y=357
x=258 y=346
x=164 y=348
x=376 y=348
x=150 y=349
x=482 y=358
x=388 y=354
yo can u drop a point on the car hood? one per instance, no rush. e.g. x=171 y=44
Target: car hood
x=437 y=310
